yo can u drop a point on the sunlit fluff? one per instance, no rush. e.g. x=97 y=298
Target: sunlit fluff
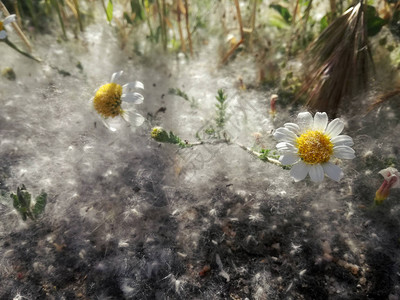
x=391 y=181
x=7 y=20
x=312 y=145
x=112 y=102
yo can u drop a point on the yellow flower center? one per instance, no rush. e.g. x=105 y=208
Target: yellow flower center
x=1 y=26
x=107 y=101
x=314 y=147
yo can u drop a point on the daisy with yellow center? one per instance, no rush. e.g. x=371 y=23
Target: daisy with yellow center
x=112 y=102
x=312 y=145
x=7 y=20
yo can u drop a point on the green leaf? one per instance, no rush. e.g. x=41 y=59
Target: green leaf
x=24 y=198
x=374 y=22
x=16 y=203
x=109 y=10
x=40 y=204
x=283 y=11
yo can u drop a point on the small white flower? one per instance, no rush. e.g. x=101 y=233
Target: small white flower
x=7 y=20
x=112 y=102
x=312 y=144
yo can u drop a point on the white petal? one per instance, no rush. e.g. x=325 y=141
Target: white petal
x=344 y=140
x=285 y=135
x=3 y=34
x=333 y=171
x=305 y=120
x=344 y=152
x=334 y=128
x=116 y=75
x=132 y=85
x=285 y=147
x=113 y=124
x=293 y=127
x=133 y=118
x=9 y=19
x=316 y=173
x=320 y=121
x=134 y=98
x=289 y=159
x=299 y=171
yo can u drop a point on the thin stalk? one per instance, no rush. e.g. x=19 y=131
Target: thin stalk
x=230 y=52
x=247 y=149
x=178 y=13
x=293 y=25
x=16 y=27
x=162 y=25
x=148 y=23
x=239 y=18
x=333 y=9
x=253 y=22
x=79 y=15
x=32 y=12
x=7 y=41
x=259 y=155
x=226 y=57
x=164 y=14
x=55 y=5
x=187 y=26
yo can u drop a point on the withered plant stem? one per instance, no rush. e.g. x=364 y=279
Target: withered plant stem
x=16 y=27
x=189 y=36
x=232 y=50
x=239 y=16
x=79 y=15
x=292 y=29
x=178 y=13
x=384 y=97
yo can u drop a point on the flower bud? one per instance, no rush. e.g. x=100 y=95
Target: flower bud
x=392 y=180
x=160 y=135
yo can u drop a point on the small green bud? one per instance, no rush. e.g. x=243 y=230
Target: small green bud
x=160 y=135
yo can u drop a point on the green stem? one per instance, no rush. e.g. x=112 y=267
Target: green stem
x=247 y=149
x=149 y=24
x=55 y=5
x=162 y=25
x=20 y=51
x=79 y=15
x=32 y=12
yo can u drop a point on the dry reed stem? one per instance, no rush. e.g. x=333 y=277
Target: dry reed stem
x=16 y=27
x=178 y=13
x=232 y=50
x=187 y=26
x=383 y=98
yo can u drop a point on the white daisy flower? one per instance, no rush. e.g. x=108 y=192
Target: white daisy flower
x=311 y=145
x=112 y=102
x=7 y=20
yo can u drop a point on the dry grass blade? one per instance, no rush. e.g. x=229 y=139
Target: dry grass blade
x=384 y=97
x=339 y=62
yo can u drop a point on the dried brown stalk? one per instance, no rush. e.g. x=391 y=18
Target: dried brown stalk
x=16 y=27
x=384 y=97
x=179 y=10
x=232 y=50
x=187 y=26
x=339 y=62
